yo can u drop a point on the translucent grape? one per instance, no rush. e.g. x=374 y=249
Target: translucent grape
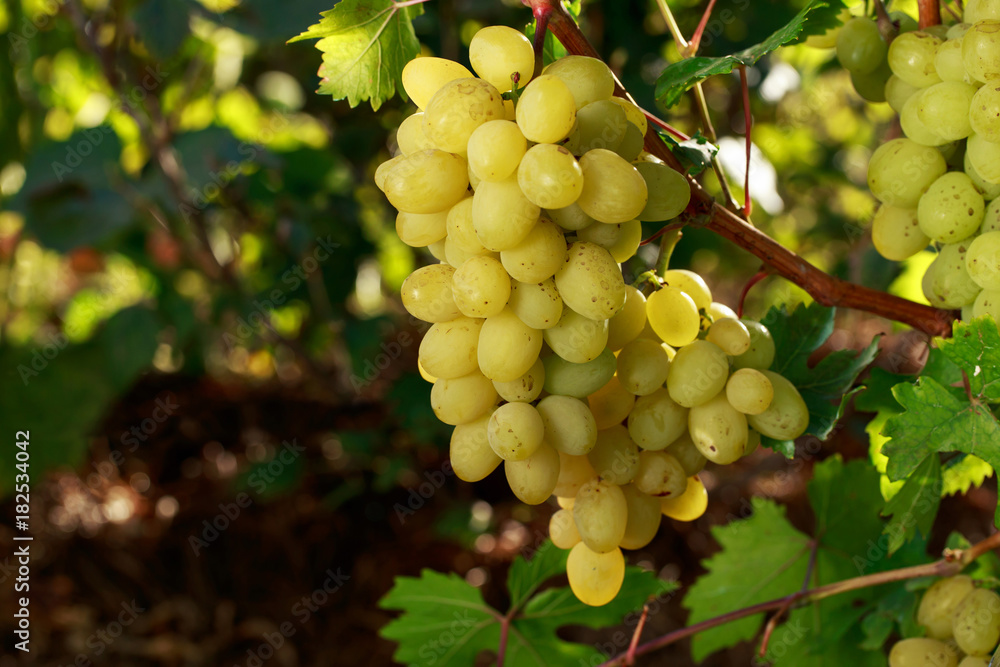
x=459 y=108
x=460 y=230
x=613 y=191
x=495 y=149
x=690 y=505
x=938 y=605
x=951 y=209
x=914 y=128
x=633 y=113
x=538 y=256
x=632 y=143
x=718 y=430
x=668 y=191
x=471 y=456
x=537 y=304
x=977 y=10
x=562 y=529
x=987 y=304
x=569 y=424
x=945 y=108
x=550 y=176
x=787 y=417
x=659 y=474
x=423 y=77
x=643 y=366
x=983 y=260
x=628 y=241
x=427 y=182
x=577 y=338
x=601 y=233
x=526 y=388
x=896 y=233
x=588 y=79
x=595 y=578
x=691 y=284
x=761 y=352
x=949 y=283
x=533 y=479
x=448 y=349
x=981 y=50
x=643 y=518
x=496 y=52
x=600 y=124
x=462 y=400
x=911 y=57
x=507 y=347
x=976 y=623
x=871 y=85
x=686 y=452
x=546 y=111
x=600 y=512
x=973 y=661
x=410 y=136
x=730 y=335
x=984 y=156
x=656 y=420
x=481 y=287
x=427 y=294
x=922 y=652
x=749 y=391
x=718 y=311
x=897 y=92
x=590 y=282
x=698 y=372
x=579 y=380
x=570 y=218
x=859 y=45
x=501 y=215
x=515 y=431
x=628 y=322
x=673 y=316
x=901 y=170
x=984 y=112
x=418 y=230
x=610 y=404
x=574 y=472
x=615 y=457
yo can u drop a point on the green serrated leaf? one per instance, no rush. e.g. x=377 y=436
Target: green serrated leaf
x=975 y=348
x=525 y=576
x=680 y=76
x=963 y=472
x=915 y=505
x=365 y=45
x=695 y=154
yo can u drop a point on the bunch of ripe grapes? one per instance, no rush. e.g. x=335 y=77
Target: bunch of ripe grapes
x=542 y=357
x=962 y=624
x=940 y=182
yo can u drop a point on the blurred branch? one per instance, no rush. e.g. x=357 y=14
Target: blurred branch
x=704 y=210
x=930 y=12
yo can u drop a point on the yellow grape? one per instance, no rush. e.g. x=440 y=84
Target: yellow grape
x=577 y=338
x=948 y=61
x=427 y=182
x=911 y=57
x=419 y=230
x=686 y=452
x=501 y=215
x=688 y=506
x=546 y=111
x=537 y=304
x=496 y=52
x=730 y=335
x=633 y=113
x=660 y=474
x=600 y=512
x=550 y=176
x=538 y=256
x=896 y=233
x=590 y=281
x=718 y=430
x=481 y=287
x=458 y=109
x=983 y=117
x=533 y=479
x=588 y=79
x=613 y=191
x=976 y=623
x=595 y=578
x=897 y=92
x=627 y=323
x=643 y=518
x=574 y=472
x=984 y=156
x=643 y=366
x=691 y=284
x=657 y=420
x=423 y=77
x=922 y=652
x=507 y=347
x=458 y=226
x=939 y=603
x=673 y=315
x=615 y=457
x=718 y=311
x=515 y=431
x=462 y=400
x=495 y=149
x=472 y=458
x=981 y=50
x=526 y=388
x=787 y=417
x=427 y=294
x=610 y=404
x=571 y=218
x=569 y=425
x=448 y=349
x=562 y=529
x=669 y=192
x=761 y=352
x=749 y=391
x=410 y=136
x=628 y=241
x=698 y=373
x=901 y=170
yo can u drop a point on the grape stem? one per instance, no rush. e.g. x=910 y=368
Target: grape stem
x=748 y=119
x=772 y=622
x=630 y=656
x=754 y=279
x=950 y=564
x=930 y=12
x=704 y=210
x=886 y=27
x=699 y=31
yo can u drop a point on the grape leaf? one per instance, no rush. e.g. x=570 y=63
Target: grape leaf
x=915 y=505
x=445 y=621
x=826 y=387
x=962 y=473
x=365 y=44
x=764 y=557
x=695 y=154
x=678 y=77
x=975 y=348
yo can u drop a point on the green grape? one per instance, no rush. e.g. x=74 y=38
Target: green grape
x=989 y=191
x=731 y=335
x=656 y=421
x=659 y=474
x=460 y=231
x=577 y=338
x=632 y=143
x=922 y=652
x=901 y=170
x=753 y=442
x=438 y=251
x=569 y=425
x=550 y=176
x=982 y=259
x=501 y=215
x=628 y=241
x=673 y=315
x=628 y=323
x=973 y=661
x=601 y=233
x=939 y=603
x=718 y=311
x=423 y=77
x=950 y=284
x=615 y=457
x=749 y=391
x=600 y=124
x=945 y=107
x=948 y=61
x=643 y=518
x=718 y=430
x=507 y=347
x=691 y=284
x=562 y=529
x=896 y=233
x=991 y=219
x=571 y=218
x=588 y=79
x=871 y=85
x=595 y=578
x=410 y=136
x=668 y=190
x=462 y=400
x=610 y=404
x=515 y=431
x=860 y=47
x=537 y=304
x=903 y=21
x=578 y=380
x=761 y=352
x=574 y=472
x=897 y=92
x=976 y=622
x=981 y=50
x=987 y=304
x=481 y=287
x=787 y=417
x=613 y=191
x=456 y=255
x=633 y=114
x=471 y=456
x=643 y=366
x=951 y=209
x=984 y=112
x=419 y=230
x=546 y=111
x=686 y=452
x=957 y=31
x=427 y=182
x=495 y=149
x=914 y=128
x=459 y=108
x=590 y=282
x=911 y=57
x=533 y=479
x=600 y=512
x=984 y=156
x=977 y=10
x=496 y=52
x=448 y=349
x=526 y=388
x=538 y=256
x=690 y=505
x=698 y=373
x=427 y=294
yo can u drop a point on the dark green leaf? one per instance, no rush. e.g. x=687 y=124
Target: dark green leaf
x=163 y=25
x=975 y=348
x=365 y=45
x=525 y=576
x=915 y=505
x=695 y=154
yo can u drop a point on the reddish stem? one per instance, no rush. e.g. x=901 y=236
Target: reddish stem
x=542 y=13
x=630 y=656
x=748 y=119
x=754 y=279
x=663 y=230
x=696 y=38
x=504 y=632
x=930 y=12
x=665 y=125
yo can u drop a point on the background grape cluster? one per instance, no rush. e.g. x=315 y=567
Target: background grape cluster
x=541 y=356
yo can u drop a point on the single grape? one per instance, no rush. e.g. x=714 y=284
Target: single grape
x=526 y=388
x=939 y=603
x=659 y=474
x=410 y=136
x=686 y=452
x=628 y=241
x=537 y=304
x=613 y=191
x=632 y=143
x=643 y=366
x=577 y=338
x=948 y=61
x=633 y=113
x=533 y=479
x=495 y=149
x=860 y=47
x=462 y=400
x=914 y=128
x=673 y=315
x=610 y=404
x=423 y=77
x=989 y=191
x=922 y=652
x=457 y=110
x=615 y=457
x=550 y=176
x=595 y=578
x=562 y=529
x=601 y=233
x=950 y=284
x=984 y=112
x=507 y=347
x=481 y=287
x=981 y=50
x=977 y=10
x=984 y=156
x=427 y=182
x=718 y=430
x=590 y=282
x=419 y=230
x=911 y=57
x=496 y=52
x=896 y=233
x=656 y=420
x=697 y=373
x=761 y=352
x=600 y=124
x=901 y=170
x=571 y=218
x=600 y=512
x=427 y=294
x=448 y=349
x=578 y=380
x=870 y=86
x=951 y=210
x=730 y=335
x=628 y=323
x=718 y=311
x=643 y=518
x=668 y=190
x=787 y=417
x=991 y=219
x=546 y=111
x=538 y=256
x=574 y=472
x=945 y=107
x=749 y=391
x=589 y=79
x=471 y=456
x=691 y=284
x=897 y=92
x=569 y=425
x=501 y=215
x=982 y=259
x=976 y=622
x=690 y=505
x=515 y=431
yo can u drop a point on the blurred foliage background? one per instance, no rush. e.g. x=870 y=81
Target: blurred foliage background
x=198 y=299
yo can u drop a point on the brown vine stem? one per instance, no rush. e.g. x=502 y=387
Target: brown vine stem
x=704 y=210
x=952 y=563
x=930 y=12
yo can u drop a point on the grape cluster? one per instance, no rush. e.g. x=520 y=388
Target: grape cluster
x=962 y=624
x=541 y=356
x=940 y=182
